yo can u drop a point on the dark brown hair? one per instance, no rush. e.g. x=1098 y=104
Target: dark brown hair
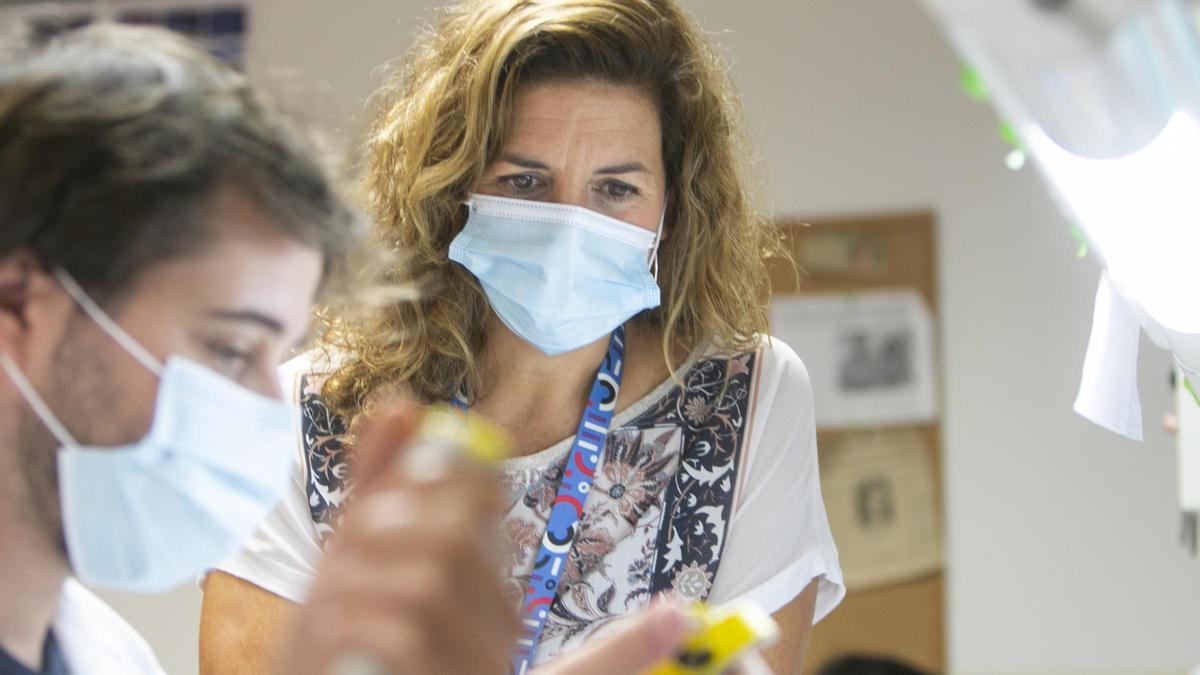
x=114 y=140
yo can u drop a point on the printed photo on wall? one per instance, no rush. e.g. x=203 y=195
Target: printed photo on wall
x=881 y=496
x=869 y=355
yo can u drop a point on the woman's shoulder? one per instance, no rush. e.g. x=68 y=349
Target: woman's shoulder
x=773 y=359
x=782 y=362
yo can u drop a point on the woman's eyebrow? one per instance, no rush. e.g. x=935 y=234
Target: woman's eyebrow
x=524 y=162
x=628 y=167
x=248 y=317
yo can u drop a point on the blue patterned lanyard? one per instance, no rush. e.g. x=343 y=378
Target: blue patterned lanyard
x=567 y=511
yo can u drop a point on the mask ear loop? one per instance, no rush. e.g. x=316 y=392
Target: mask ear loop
x=653 y=256
x=118 y=334
x=36 y=402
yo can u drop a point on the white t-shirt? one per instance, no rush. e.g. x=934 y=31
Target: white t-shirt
x=708 y=490
x=95 y=640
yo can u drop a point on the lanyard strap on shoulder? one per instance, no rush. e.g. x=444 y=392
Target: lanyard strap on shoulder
x=567 y=511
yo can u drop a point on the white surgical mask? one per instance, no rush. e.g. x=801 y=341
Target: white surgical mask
x=153 y=514
x=557 y=275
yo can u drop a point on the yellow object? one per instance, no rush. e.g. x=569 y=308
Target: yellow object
x=727 y=633
x=470 y=435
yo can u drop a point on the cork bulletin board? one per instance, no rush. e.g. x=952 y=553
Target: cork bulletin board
x=895 y=605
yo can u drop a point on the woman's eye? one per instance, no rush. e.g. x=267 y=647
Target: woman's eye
x=522 y=182
x=615 y=189
x=229 y=359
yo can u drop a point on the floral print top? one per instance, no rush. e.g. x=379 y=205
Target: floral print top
x=661 y=509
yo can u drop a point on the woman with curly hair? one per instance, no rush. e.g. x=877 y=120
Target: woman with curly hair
x=564 y=181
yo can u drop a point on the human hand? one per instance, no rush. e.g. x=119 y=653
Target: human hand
x=638 y=643
x=410 y=583
x=633 y=645
x=670 y=638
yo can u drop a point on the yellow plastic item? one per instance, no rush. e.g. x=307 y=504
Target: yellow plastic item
x=469 y=435
x=727 y=633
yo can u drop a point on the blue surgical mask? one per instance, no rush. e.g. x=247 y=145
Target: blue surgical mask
x=153 y=514
x=559 y=276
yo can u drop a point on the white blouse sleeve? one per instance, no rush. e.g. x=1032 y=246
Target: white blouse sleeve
x=779 y=538
x=282 y=556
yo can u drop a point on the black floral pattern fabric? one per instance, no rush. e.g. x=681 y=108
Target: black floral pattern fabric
x=329 y=480
x=655 y=520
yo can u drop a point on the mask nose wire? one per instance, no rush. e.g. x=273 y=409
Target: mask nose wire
x=651 y=256
x=118 y=334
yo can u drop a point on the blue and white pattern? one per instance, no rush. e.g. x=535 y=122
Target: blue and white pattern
x=563 y=522
x=657 y=515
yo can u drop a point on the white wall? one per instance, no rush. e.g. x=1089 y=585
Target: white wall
x=1062 y=538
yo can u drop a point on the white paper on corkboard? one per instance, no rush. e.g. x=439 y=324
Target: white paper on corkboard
x=882 y=503
x=870 y=355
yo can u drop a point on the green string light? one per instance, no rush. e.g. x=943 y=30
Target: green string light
x=972 y=83
x=975 y=88
x=1081 y=239
x=1187 y=384
x=1009 y=134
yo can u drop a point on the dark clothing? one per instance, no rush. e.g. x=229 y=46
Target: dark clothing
x=53 y=662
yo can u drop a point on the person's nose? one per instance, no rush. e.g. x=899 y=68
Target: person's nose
x=569 y=194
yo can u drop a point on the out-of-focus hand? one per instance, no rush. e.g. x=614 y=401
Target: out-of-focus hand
x=632 y=645
x=410 y=583
x=640 y=642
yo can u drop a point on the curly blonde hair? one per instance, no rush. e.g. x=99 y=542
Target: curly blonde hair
x=446 y=114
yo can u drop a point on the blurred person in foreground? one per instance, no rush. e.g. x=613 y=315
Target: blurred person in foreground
x=164 y=236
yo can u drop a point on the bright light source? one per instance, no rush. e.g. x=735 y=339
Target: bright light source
x=1142 y=214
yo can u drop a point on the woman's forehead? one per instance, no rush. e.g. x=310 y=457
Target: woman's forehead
x=604 y=123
